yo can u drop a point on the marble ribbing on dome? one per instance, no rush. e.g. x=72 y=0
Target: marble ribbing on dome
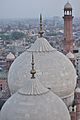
x=34 y=87
x=41 y=45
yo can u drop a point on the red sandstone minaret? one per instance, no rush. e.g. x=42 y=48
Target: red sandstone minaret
x=68 y=32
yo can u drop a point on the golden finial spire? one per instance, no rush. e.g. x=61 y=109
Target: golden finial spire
x=33 y=71
x=41 y=30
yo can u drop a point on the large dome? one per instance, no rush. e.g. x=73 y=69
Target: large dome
x=34 y=102
x=55 y=70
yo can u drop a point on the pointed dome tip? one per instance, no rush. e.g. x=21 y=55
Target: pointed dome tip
x=41 y=27
x=68 y=5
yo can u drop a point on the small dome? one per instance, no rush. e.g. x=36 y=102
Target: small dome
x=77 y=90
x=67 y=6
x=10 y=56
x=70 y=55
x=34 y=102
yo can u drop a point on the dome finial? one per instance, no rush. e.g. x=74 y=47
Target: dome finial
x=33 y=71
x=68 y=5
x=41 y=30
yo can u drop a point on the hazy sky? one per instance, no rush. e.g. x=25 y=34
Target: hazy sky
x=32 y=8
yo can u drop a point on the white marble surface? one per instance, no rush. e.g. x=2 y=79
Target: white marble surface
x=46 y=106
x=53 y=69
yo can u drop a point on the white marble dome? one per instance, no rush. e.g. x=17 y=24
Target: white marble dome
x=70 y=55
x=53 y=68
x=10 y=56
x=34 y=102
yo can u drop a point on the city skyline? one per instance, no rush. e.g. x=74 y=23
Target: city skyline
x=30 y=9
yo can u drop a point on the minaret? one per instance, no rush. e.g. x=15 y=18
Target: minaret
x=68 y=32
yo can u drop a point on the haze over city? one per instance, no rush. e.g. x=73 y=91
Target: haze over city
x=32 y=8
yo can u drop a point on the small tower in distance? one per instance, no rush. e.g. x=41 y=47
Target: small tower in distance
x=68 y=32
x=9 y=60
